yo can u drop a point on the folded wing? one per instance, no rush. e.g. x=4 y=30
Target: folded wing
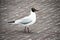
x=26 y=21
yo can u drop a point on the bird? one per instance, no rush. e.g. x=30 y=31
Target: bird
x=26 y=21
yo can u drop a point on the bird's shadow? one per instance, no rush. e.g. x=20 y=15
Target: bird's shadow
x=23 y=32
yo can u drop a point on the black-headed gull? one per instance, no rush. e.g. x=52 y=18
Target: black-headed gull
x=26 y=21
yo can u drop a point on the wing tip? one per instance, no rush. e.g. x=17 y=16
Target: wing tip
x=11 y=22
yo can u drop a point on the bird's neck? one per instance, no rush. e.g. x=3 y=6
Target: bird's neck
x=32 y=13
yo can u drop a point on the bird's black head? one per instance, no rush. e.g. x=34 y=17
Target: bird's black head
x=33 y=10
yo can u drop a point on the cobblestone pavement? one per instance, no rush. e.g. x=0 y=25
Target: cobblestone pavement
x=47 y=26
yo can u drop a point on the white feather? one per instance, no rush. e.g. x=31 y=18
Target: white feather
x=28 y=20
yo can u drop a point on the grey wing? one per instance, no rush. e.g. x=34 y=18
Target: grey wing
x=26 y=21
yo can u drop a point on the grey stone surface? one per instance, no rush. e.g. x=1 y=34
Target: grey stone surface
x=47 y=26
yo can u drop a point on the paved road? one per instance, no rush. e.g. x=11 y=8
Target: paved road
x=47 y=26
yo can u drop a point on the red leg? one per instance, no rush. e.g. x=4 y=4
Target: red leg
x=25 y=29
x=28 y=29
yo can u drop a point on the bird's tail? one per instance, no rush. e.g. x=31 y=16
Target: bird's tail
x=11 y=22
